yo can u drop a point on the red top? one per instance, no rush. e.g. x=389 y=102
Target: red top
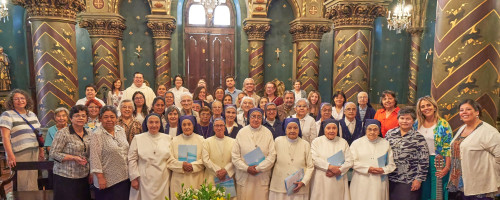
x=278 y=101
x=389 y=122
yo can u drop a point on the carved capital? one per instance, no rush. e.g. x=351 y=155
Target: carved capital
x=309 y=29
x=415 y=31
x=52 y=8
x=161 y=26
x=256 y=29
x=354 y=14
x=103 y=26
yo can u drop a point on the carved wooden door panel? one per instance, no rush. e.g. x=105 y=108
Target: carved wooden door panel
x=222 y=59
x=196 y=58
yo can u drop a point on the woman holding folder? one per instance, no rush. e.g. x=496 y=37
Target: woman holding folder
x=372 y=162
x=187 y=168
x=253 y=141
x=332 y=159
x=294 y=167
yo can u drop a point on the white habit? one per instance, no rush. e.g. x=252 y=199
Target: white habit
x=148 y=158
x=308 y=128
x=323 y=187
x=250 y=187
x=217 y=155
x=149 y=94
x=365 y=154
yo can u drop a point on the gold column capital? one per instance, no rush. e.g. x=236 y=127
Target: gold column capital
x=103 y=25
x=360 y=13
x=415 y=31
x=52 y=8
x=309 y=28
x=256 y=28
x=161 y=25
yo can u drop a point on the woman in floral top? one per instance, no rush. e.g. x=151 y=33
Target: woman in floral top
x=475 y=156
x=411 y=157
x=438 y=135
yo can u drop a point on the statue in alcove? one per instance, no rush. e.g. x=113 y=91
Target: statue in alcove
x=4 y=71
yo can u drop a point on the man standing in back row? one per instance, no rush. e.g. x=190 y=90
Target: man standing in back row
x=230 y=89
x=139 y=85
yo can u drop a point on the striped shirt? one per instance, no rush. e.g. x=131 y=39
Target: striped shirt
x=67 y=142
x=21 y=135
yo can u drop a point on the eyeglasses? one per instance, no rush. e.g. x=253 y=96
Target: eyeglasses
x=19 y=99
x=128 y=107
x=271 y=109
x=219 y=125
x=80 y=116
x=255 y=116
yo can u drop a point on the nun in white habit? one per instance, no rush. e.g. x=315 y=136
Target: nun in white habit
x=330 y=181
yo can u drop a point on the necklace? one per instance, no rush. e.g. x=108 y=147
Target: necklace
x=153 y=143
x=290 y=153
x=204 y=131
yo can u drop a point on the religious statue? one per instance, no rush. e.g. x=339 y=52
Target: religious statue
x=4 y=71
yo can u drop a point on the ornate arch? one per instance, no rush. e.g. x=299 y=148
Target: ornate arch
x=295 y=7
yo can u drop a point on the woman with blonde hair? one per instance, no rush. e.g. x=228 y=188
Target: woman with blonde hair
x=314 y=99
x=438 y=135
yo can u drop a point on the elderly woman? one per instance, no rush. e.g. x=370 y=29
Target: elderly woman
x=438 y=135
x=141 y=109
x=197 y=105
x=205 y=127
x=411 y=157
x=90 y=94
x=19 y=128
x=365 y=110
x=272 y=121
x=307 y=123
x=61 y=118
x=158 y=107
x=169 y=99
x=232 y=127
x=475 y=155
x=330 y=180
x=219 y=94
x=292 y=155
x=172 y=115
x=388 y=114
x=369 y=180
x=178 y=89
x=148 y=157
x=350 y=128
x=314 y=99
x=217 y=110
x=184 y=170
x=217 y=154
x=253 y=178
x=93 y=122
x=247 y=103
x=108 y=157
x=187 y=106
x=324 y=113
x=70 y=150
x=131 y=126
x=338 y=101
x=115 y=94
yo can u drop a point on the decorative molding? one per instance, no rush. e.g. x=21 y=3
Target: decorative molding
x=308 y=31
x=162 y=26
x=415 y=31
x=354 y=14
x=112 y=26
x=256 y=31
x=52 y=8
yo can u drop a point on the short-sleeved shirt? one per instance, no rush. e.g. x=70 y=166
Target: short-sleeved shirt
x=234 y=94
x=68 y=142
x=21 y=134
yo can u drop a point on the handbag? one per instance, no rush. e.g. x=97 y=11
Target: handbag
x=39 y=137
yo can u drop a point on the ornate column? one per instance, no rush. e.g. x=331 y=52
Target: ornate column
x=353 y=24
x=256 y=29
x=417 y=28
x=162 y=27
x=307 y=33
x=105 y=29
x=54 y=53
x=466 y=62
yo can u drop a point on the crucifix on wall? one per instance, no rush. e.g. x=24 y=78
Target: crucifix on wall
x=277 y=54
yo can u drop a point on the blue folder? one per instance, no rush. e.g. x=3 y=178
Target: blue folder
x=337 y=160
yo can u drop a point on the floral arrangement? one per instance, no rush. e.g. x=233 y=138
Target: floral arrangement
x=206 y=192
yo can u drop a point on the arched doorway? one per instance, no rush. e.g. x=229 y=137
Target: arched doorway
x=209 y=43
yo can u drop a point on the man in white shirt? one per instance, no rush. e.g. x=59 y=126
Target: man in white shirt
x=230 y=89
x=249 y=89
x=350 y=128
x=139 y=85
x=90 y=92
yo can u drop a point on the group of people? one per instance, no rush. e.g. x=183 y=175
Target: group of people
x=142 y=145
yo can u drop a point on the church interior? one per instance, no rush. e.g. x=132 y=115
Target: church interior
x=448 y=49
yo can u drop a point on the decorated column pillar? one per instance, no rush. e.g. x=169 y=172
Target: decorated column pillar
x=466 y=61
x=256 y=30
x=307 y=33
x=353 y=25
x=105 y=30
x=416 y=35
x=54 y=53
x=162 y=27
